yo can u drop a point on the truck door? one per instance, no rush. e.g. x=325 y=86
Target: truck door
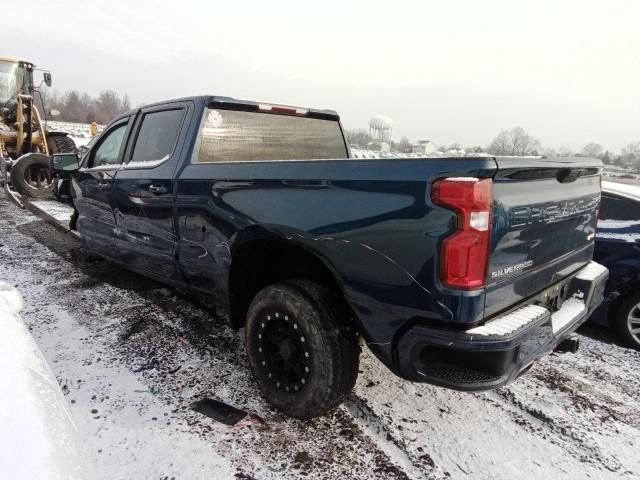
x=93 y=185
x=143 y=190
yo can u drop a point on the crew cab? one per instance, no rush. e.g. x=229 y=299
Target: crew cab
x=458 y=272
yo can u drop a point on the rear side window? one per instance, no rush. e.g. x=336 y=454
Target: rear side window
x=619 y=208
x=236 y=136
x=157 y=137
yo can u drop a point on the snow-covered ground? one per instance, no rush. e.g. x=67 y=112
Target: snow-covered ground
x=628 y=189
x=40 y=440
x=79 y=132
x=131 y=356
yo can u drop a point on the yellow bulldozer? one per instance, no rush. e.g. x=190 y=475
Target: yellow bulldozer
x=25 y=142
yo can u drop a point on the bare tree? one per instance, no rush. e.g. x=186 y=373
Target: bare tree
x=358 y=138
x=514 y=142
x=404 y=145
x=501 y=144
x=523 y=143
x=565 y=152
x=593 y=150
x=476 y=149
x=82 y=107
x=630 y=154
x=126 y=103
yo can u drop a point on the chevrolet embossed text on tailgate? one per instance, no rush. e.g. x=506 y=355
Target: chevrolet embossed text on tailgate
x=544 y=222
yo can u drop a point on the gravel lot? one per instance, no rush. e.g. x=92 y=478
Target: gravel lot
x=131 y=356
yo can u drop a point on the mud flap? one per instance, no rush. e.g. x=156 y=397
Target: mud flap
x=219 y=411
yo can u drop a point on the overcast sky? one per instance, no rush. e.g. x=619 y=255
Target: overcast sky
x=568 y=71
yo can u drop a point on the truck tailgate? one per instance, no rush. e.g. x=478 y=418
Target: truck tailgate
x=544 y=220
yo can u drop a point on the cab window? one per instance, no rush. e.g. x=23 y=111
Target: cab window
x=108 y=152
x=157 y=137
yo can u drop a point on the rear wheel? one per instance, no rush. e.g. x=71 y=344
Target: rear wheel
x=627 y=320
x=304 y=356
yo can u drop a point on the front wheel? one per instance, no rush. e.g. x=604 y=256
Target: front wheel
x=627 y=321
x=304 y=356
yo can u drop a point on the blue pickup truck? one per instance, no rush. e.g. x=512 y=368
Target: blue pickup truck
x=458 y=272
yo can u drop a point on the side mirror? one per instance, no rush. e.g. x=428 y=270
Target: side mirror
x=47 y=78
x=64 y=162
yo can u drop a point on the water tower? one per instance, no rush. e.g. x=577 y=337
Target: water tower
x=380 y=128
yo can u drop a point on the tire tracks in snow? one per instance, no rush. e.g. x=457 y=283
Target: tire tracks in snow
x=181 y=352
x=394 y=446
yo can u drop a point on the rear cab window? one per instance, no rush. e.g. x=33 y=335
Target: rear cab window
x=241 y=136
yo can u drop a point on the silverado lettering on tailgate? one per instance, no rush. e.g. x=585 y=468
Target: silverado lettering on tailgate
x=511 y=269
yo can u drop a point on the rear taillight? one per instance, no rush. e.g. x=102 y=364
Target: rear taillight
x=464 y=256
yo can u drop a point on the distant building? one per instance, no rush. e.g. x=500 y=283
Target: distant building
x=453 y=152
x=379 y=147
x=424 y=147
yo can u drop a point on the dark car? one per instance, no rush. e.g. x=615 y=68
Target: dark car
x=618 y=248
x=458 y=272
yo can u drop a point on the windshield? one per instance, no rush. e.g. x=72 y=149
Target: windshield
x=12 y=77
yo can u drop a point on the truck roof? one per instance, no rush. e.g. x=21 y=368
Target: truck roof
x=14 y=60
x=221 y=101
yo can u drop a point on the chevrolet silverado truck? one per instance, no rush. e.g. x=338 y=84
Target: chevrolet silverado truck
x=458 y=272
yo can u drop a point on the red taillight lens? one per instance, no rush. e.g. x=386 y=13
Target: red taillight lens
x=464 y=256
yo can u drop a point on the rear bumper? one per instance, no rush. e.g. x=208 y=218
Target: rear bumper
x=493 y=354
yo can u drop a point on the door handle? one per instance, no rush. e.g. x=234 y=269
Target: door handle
x=157 y=189
x=104 y=186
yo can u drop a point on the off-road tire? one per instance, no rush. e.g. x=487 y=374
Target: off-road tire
x=330 y=347
x=65 y=144
x=19 y=170
x=61 y=144
x=620 y=320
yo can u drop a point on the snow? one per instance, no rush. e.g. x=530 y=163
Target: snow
x=510 y=322
x=617 y=224
x=37 y=432
x=60 y=211
x=591 y=271
x=623 y=237
x=79 y=132
x=114 y=341
x=463 y=179
x=571 y=309
x=632 y=190
x=361 y=153
x=622 y=230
